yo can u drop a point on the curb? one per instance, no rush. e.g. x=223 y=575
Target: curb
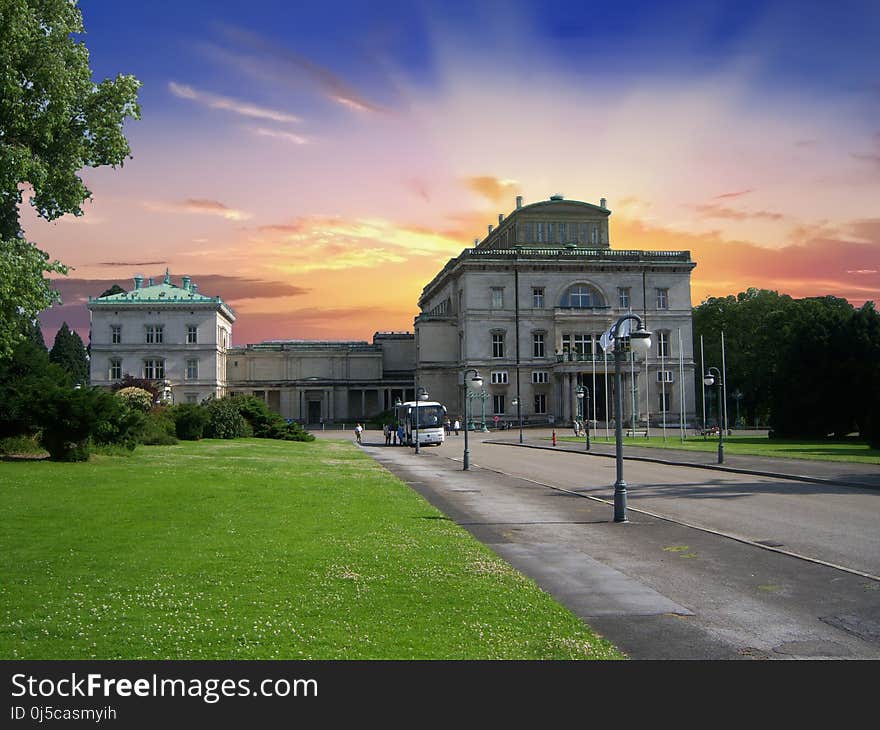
x=712 y=467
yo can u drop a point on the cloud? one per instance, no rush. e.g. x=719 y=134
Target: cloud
x=131 y=263
x=277 y=134
x=198 y=206
x=256 y=55
x=714 y=210
x=492 y=188
x=737 y=194
x=215 y=101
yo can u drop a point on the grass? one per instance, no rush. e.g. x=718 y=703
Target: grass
x=845 y=450
x=255 y=549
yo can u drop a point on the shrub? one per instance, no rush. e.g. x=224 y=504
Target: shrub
x=160 y=428
x=17 y=445
x=136 y=398
x=190 y=421
x=224 y=419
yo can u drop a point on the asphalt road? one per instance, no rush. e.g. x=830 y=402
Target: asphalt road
x=686 y=577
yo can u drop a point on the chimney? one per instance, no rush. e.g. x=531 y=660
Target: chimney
x=195 y=288
x=500 y=218
x=150 y=281
x=138 y=280
x=602 y=203
x=476 y=241
x=490 y=228
x=518 y=202
x=186 y=282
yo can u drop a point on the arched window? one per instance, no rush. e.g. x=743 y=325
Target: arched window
x=582 y=296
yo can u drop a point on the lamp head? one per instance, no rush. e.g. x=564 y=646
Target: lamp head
x=580 y=392
x=423 y=394
x=640 y=340
x=475 y=383
x=708 y=379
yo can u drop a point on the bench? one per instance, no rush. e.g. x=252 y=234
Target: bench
x=633 y=434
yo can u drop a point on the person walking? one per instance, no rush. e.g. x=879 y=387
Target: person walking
x=386 y=431
x=456 y=426
x=400 y=433
x=358 y=429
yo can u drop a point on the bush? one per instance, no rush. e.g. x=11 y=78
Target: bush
x=224 y=419
x=136 y=398
x=190 y=421
x=20 y=445
x=160 y=428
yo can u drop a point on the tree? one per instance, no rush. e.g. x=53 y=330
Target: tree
x=115 y=289
x=25 y=377
x=69 y=353
x=54 y=121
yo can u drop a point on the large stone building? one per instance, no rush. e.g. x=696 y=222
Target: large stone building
x=526 y=307
x=162 y=332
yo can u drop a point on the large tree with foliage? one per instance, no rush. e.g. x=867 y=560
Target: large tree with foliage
x=54 y=121
x=69 y=353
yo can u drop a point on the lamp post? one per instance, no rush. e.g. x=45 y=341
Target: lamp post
x=737 y=396
x=714 y=376
x=583 y=396
x=472 y=385
x=484 y=396
x=516 y=402
x=639 y=341
x=421 y=394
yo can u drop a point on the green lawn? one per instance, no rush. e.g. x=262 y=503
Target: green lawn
x=255 y=549
x=847 y=450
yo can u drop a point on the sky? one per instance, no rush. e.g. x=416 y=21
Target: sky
x=316 y=164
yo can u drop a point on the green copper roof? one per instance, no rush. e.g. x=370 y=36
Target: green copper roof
x=164 y=293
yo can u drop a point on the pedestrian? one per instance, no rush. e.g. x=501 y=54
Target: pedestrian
x=400 y=433
x=393 y=428
x=386 y=431
x=577 y=427
x=456 y=426
x=358 y=429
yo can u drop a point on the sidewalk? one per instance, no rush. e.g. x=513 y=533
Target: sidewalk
x=837 y=473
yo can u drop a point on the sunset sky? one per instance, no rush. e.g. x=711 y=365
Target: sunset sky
x=315 y=164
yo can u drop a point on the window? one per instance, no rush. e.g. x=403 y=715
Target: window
x=191 y=397
x=497 y=297
x=662 y=298
x=154 y=369
x=582 y=296
x=562 y=232
x=116 y=334
x=595 y=235
x=551 y=233
x=580 y=343
x=192 y=334
x=538 y=297
x=540 y=403
x=665 y=376
x=498 y=404
x=582 y=232
x=499 y=377
x=662 y=401
x=538 y=344
x=192 y=369
x=540 y=376
x=116 y=369
x=155 y=334
x=623 y=297
x=540 y=232
x=497 y=344
x=662 y=343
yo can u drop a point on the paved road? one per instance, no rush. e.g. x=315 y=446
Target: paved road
x=656 y=587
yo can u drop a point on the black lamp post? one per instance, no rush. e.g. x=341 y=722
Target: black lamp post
x=472 y=385
x=421 y=394
x=714 y=376
x=639 y=341
x=583 y=396
x=518 y=403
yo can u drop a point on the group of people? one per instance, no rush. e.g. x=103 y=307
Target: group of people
x=452 y=426
x=394 y=434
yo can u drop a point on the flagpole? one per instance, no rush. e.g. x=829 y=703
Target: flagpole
x=632 y=394
x=702 y=384
x=681 y=383
x=605 y=358
x=724 y=382
x=663 y=385
x=593 y=394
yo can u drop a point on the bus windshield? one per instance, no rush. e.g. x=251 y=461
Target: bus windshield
x=429 y=416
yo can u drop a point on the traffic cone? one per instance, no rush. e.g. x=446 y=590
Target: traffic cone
x=554 y=437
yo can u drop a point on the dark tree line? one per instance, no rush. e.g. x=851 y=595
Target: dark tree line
x=805 y=367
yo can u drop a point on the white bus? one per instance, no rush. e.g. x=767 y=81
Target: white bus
x=430 y=426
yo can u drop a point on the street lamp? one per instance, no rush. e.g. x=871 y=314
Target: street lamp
x=583 y=395
x=639 y=341
x=484 y=396
x=516 y=402
x=421 y=394
x=737 y=396
x=472 y=385
x=714 y=376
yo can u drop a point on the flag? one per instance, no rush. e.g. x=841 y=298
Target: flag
x=607 y=338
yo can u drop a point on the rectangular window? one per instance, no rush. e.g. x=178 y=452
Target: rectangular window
x=538 y=345
x=540 y=232
x=499 y=377
x=662 y=343
x=662 y=298
x=497 y=297
x=116 y=369
x=595 y=235
x=538 y=297
x=192 y=334
x=540 y=376
x=623 y=297
x=662 y=401
x=579 y=344
x=154 y=369
x=192 y=369
x=191 y=397
x=155 y=334
x=498 y=404
x=562 y=231
x=551 y=233
x=665 y=376
x=497 y=344
x=582 y=232
x=540 y=403
x=116 y=334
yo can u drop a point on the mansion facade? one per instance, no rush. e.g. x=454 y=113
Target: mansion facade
x=525 y=307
